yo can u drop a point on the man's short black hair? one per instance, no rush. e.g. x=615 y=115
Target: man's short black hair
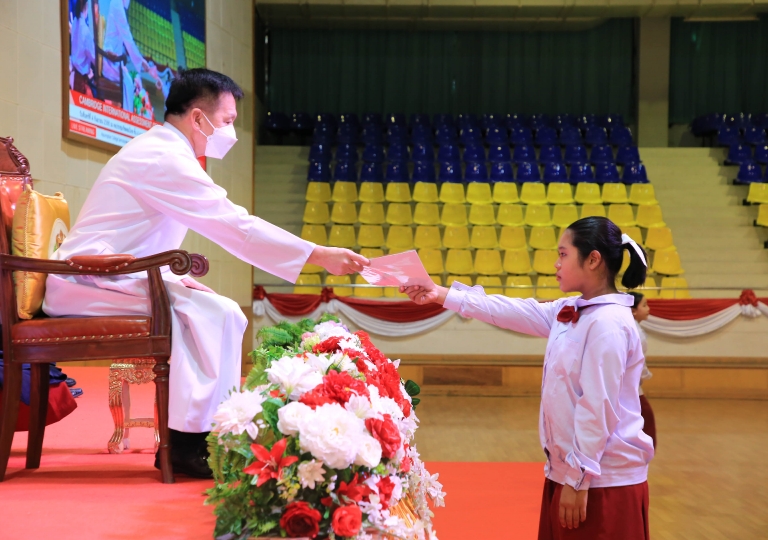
x=195 y=85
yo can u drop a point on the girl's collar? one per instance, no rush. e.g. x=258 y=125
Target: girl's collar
x=621 y=299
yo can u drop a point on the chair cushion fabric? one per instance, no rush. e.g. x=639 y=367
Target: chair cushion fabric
x=48 y=330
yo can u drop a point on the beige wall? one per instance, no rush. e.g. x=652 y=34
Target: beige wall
x=30 y=111
x=653 y=82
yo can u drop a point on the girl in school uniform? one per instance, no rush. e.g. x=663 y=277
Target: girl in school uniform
x=640 y=312
x=589 y=423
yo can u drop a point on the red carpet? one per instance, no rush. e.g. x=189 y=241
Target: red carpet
x=81 y=491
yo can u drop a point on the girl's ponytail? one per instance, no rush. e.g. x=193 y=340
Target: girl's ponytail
x=634 y=276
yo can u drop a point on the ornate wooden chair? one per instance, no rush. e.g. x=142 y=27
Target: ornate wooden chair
x=42 y=340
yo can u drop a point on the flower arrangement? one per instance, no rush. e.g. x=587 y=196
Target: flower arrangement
x=318 y=443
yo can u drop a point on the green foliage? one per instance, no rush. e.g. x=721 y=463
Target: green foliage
x=274 y=335
x=325 y=317
x=412 y=388
x=269 y=413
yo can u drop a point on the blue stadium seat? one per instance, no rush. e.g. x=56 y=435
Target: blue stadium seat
x=301 y=123
x=634 y=173
x=595 y=135
x=521 y=135
x=601 y=153
x=754 y=135
x=320 y=152
x=346 y=152
x=347 y=134
x=395 y=119
x=423 y=153
x=448 y=152
x=555 y=172
x=467 y=119
x=325 y=119
x=373 y=153
x=738 y=154
x=576 y=153
x=470 y=134
x=497 y=136
x=502 y=172
x=627 y=154
x=319 y=171
x=546 y=136
x=727 y=135
x=324 y=133
x=440 y=120
x=397 y=133
x=423 y=171
x=476 y=172
x=397 y=171
x=706 y=125
x=345 y=171
x=586 y=121
x=349 y=118
x=373 y=118
x=562 y=121
x=372 y=134
x=749 y=172
x=738 y=121
x=528 y=171
x=761 y=153
x=371 y=172
x=538 y=121
x=550 y=154
x=759 y=120
x=621 y=136
x=398 y=152
x=610 y=121
x=570 y=135
x=450 y=171
x=606 y=173
x=420 y=119
x=514 y=120
x=524 y=152
x=446 y=135
x=474 y=152
x=499 y=154
x=422 y=133
x=582 y=172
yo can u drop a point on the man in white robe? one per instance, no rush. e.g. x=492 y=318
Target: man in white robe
x=143 y=202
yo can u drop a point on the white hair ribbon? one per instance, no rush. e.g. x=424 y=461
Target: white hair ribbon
x=625 y=239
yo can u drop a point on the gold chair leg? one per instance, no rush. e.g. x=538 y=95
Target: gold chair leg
x=121 y=376
x=115 y=444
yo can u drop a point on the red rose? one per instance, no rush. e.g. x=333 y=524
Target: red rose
x=405 y=465
x=347 y=520
x=340 y=386
x=330 y=345
x=375 y=355
x=386 y=486
x=315 y=398
x=300 y=519
x=385 y=431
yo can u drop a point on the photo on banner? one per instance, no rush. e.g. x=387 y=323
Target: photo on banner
x=120 y=57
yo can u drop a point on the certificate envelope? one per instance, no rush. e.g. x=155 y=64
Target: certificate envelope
x=396 y=270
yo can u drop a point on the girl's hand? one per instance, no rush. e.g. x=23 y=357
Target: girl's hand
x=573 y=506
x=425 y=294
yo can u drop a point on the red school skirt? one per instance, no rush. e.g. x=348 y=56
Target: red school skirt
x=613 y=513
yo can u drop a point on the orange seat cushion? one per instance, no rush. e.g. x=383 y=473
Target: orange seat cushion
x=46 y=330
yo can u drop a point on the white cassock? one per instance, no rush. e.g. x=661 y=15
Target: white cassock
x=143 y=202
x=118 y=39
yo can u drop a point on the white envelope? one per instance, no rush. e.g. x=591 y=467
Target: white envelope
x=396 y=270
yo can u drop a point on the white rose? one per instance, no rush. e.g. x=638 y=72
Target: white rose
x=369 y=452
x=294 y=376
x=360 y=406
x=332 y=434
x=290 y=416
x=236 y=414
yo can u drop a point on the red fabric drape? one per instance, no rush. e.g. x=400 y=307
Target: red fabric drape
x=60 y=404
x=401 y=312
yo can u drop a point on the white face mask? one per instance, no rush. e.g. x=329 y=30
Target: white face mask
x=220 y=141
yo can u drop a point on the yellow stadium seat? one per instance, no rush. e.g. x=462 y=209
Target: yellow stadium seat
x=425 y=192
x=454 y=214
x=544 y=261
x=371 y=213
x=371 y=253
x=559 y=193
x=642 y=194
x=370 y=236
x=315 y=233
x=615 y=194
x=456 y=238
x=479 y=193
x=345 y=192
x=762 y=216
x=758 y=193
x=645 y=291
x=491 y=284
x=400 y=238
x=459 y=261
x=634 y=233
x=621 y=215
x=484 y=237
x=466 y=280
x=590 y=210
x=481 y=214
x=512 y=238
x=398 y=192
x=517 y=261
x=371 y=192
x=312 y=269
x=659 y=239
x=316 y=213
x=514 y=287
x=669 y=284
x=437 y=280
x=452 y=193
x=399 y=214
x=432 y=259
x=488 y=262
x=548 y=288
x=342 y=236
x=650 y=216
x=537 y=215
x=533 y=193
x=303 y=282
x=426 y=214
x=344 y=213
x=336 y=283
x=667 y=263
x=394 y=292
x=318 y=192
x=427 y=236
x=510 y=215
x=543 y=238
x=564 y=214
x=588 y=193
x=367 y=292
x=505 y=193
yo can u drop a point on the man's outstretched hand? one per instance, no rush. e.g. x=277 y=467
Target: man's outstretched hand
x=425 y=294
x=338 y=261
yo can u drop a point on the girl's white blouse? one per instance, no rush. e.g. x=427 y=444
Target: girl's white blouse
x=589 y=423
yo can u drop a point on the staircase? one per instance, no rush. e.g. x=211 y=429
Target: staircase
x=713 y=231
